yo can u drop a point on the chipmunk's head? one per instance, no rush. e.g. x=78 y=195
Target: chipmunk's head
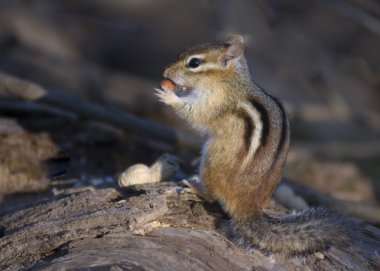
x=207 y=66
x=203 y=82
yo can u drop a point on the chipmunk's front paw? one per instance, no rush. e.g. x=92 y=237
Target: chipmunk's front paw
x=185 y=193
x=168 y=97
x=188 y=194
x=196 y=187
x=193 y=183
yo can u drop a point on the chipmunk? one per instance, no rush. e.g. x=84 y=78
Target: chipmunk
x=248 y=140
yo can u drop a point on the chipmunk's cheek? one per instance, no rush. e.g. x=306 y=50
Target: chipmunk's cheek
x=182 y=91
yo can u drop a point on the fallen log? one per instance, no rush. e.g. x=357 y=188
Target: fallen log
x=149 y=227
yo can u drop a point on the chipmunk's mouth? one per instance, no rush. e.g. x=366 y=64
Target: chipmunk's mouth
x=170 y=85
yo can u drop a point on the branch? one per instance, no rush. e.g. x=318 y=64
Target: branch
x=26 y=90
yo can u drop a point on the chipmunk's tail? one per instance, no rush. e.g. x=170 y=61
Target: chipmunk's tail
x=304 y=232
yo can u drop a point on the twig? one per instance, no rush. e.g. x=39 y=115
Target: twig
x=313 y=197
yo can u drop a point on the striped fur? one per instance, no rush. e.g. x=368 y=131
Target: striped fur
x=248 y=140
x=264 y=118
x=254 y=119
x=284 y=124
x=205 y=66
x=249 y=126
x=305 y=232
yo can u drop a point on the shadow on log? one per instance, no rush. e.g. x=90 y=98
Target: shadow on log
x=149 y=227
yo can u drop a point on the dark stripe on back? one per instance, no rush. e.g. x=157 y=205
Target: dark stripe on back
x=248 y=128
x=283 y=134
x=264 y=116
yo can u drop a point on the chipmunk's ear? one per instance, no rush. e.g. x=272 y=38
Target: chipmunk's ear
x=235 y=49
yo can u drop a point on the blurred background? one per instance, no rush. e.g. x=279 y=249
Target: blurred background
x=321 y=58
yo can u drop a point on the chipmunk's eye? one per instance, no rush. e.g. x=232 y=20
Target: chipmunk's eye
x=194 y=63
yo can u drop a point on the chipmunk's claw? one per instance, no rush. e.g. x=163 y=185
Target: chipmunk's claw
x=187 y=193
x=195 y=186
x=160 y=94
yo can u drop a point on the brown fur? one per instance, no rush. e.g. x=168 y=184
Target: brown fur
x=222 y=102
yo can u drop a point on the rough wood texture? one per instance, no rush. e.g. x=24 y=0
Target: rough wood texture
x=148 y=228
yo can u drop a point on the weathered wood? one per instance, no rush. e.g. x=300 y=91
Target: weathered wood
x=150 y=227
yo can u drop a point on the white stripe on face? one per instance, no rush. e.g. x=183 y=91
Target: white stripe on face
x=205 y=66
